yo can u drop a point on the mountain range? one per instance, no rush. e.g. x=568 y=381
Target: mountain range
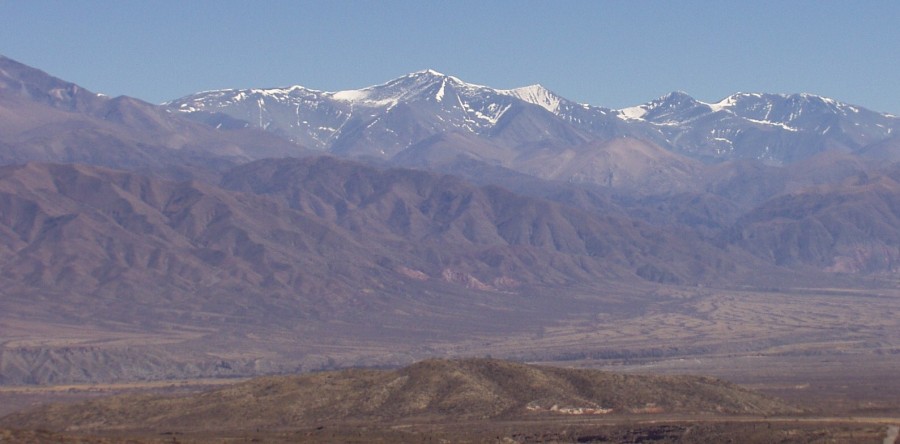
x=384 y=120
x=425 y=210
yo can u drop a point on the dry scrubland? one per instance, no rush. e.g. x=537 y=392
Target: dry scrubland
x=475 y=400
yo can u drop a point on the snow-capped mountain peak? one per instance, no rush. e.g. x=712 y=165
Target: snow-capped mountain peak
x=669 y=108
x=427 y=84
x=676 y=97
x=429 y=72
x=725 y=103
x=430 y=75
x=536 y=94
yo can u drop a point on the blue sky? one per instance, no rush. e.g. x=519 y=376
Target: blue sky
x=608 y=53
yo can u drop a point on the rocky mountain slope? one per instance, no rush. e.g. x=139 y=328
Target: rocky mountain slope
x=848 y=227
x=444 y=211
x=277 y=223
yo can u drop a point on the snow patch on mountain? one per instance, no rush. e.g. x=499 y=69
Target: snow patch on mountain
x=724 y=104
x=362 y=97
x=440 y=94
x=778 y=124
x=633 y=113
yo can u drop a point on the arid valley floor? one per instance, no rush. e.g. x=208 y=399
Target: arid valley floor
x=834 y=353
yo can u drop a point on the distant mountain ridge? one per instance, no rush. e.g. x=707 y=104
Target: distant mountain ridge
x=384 y=120
x=379 y=120
x=782 y=128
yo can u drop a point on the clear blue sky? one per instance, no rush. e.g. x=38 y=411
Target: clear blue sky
x=608 y=53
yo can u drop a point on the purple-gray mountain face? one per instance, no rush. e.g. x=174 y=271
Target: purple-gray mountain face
x=385 y=120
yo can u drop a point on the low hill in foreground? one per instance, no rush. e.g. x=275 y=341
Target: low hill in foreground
x=432 y=390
